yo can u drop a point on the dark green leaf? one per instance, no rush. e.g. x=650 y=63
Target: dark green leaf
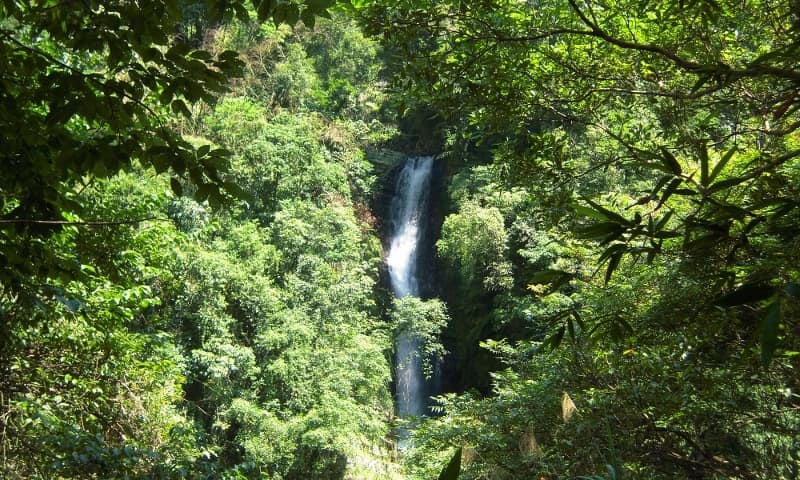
x=747 y=293
x=721 y=164
x=663 y=221
x=571 y=329
x=769 y=332
x=731 y=182
x=555 y=340
x=660 y=184
x=453 y=468
x=549 y=276
x=607 y=213
x=600 y=229
x=178 y=106
x=670 y=162
x=588 y=212
x=673 y=185
x=667 y=234
x=613 y=263
x=175 y=184
x=308 y=18
x=701 y=80
x=617 y=248
x=703 y=150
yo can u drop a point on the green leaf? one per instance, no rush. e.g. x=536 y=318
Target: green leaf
x=308 y=18
x=175 y=184
x=660 y=184
x=723 y=184
x=555 y=339
x=769 y=332
x=747 y=293
x=673 y=185
x=178 y=106
x=663 y=220
x=703 y=165
x=702 y=80
x=453 y=468
x=203 y=151
x=549 y=276
x=613 y=263
x=670 y=162
x=600 y=229
x=588 y=212
x=607 y=213
x=721 y=164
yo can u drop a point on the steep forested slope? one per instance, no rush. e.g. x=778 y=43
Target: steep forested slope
x=217 y=320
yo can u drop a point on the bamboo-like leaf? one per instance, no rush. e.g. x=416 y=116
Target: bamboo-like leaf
x=660 y=184
x=613 y=263
x=663 y=221
x=670 y=162
x=554 y=278
x=703 y=150
x=554 y=340
x=453 y=468
x=588 y=212
x=175 y=184
x=673 y=185
x=769 y=332
x=721 y=164
x=599 y=230
x=728 y=183
x=607 y=213
x=747 y=293
x=702 y=80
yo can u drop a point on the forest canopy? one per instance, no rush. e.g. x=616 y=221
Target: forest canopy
x=192 y=282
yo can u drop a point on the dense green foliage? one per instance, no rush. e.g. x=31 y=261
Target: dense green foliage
x=189 y=264
x=633 y=167
x=194 y=342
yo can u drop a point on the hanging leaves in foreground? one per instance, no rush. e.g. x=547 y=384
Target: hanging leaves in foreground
x=747 y=293
x=769 y=332
x=453 y=468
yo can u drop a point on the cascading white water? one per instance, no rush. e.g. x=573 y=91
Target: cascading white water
x=408 y=208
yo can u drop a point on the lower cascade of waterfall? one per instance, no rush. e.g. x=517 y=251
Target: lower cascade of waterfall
x=409 y=211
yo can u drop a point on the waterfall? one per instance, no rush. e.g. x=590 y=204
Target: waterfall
x=408 y=215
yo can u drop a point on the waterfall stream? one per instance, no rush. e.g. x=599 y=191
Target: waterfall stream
x=408 y=215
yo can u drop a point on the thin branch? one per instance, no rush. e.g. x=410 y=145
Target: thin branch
x=88 y=223
x=688 y=65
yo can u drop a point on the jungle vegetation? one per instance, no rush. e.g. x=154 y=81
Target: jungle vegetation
x=191 y=279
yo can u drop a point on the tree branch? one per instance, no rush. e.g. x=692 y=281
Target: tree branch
x=88 y=223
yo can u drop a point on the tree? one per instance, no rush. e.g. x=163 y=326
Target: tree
x=86 y=88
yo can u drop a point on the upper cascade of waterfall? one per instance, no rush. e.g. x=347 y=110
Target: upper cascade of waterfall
x=407 y=207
